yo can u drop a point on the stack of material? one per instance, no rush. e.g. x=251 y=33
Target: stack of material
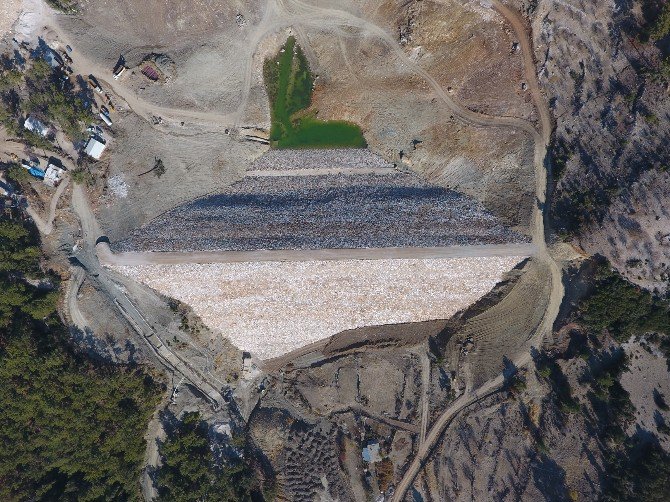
x=323 y=212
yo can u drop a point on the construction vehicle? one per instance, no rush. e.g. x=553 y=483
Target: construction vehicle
x=118 y=71
x=105 y=118
x=93 y=82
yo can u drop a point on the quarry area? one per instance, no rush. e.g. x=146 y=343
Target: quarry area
x=330 y=228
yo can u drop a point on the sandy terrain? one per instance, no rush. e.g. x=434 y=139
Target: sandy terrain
x=9 y=12
x=274 y=307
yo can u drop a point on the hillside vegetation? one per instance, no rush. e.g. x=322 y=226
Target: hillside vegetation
x=70 y=428
x=289 y=83
x=622 y=308
x=188 y=472
x=40 y=91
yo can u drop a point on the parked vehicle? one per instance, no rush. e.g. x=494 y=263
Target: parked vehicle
x=105 y=118
x=118 y=71
x=93 y=82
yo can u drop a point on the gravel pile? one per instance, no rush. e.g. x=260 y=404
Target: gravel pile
x=321 y=212
x=318 y=159
x=117 y=185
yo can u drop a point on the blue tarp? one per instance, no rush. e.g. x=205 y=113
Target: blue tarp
x=38 y=173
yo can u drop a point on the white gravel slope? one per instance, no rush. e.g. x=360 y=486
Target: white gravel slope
x=271 y=308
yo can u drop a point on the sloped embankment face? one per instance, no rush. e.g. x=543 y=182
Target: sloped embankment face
x=321 y=212
x=363 y=245
x=272 y=308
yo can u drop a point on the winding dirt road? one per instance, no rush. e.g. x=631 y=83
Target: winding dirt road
x=542 y=138
x=46 y=226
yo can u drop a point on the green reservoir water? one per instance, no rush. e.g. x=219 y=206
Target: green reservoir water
x=289 y=83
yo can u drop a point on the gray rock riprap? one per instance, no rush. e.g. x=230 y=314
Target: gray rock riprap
x=320 y=212
x=318 y=159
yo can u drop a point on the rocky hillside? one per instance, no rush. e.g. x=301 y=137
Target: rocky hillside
x=605 y=70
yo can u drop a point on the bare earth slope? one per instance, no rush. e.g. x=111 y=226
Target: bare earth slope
x=612 y=132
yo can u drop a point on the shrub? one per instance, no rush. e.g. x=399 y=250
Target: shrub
x=660 y=27
x=82 y=176
x=622 y=308
x=188 y=472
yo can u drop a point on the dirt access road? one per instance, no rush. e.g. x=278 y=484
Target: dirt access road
x=106 y=257
x=541 y=138
x=200 y=378
x=46 y=226
x=84 y=66
x=12 y=147
x=350 y=171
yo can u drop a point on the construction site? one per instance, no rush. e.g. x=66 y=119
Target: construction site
x=306 y=284
x=357 y=314
x=307 y=208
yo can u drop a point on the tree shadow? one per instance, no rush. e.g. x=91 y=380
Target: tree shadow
x=509 y=369
x=549 y=479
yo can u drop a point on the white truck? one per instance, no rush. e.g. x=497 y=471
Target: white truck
x=105 y=118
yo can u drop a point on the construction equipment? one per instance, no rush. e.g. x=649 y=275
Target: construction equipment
x=93 y=82
x=105 y=118
x=118 y=71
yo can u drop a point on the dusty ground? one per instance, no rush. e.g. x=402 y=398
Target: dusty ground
x=9 y=12
x=217 y=84
x=646 y=381
x=272 y=308
x=310 y=423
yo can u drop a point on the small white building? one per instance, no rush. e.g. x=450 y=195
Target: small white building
x=53 y=175
x=36 y=126
x=95 y=147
